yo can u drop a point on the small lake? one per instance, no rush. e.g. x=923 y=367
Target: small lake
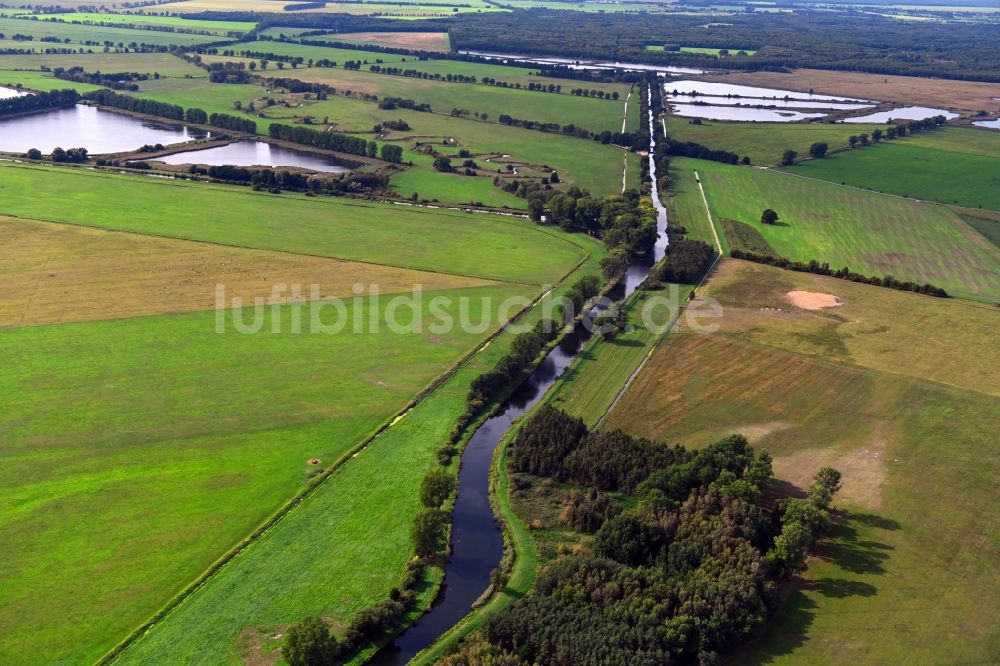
x=992 y=124
x=741 y=113
x=6 y=92
x=258 y=153
x=905 y=113
x=730 y=89
x=750 y=102
x=88 y=127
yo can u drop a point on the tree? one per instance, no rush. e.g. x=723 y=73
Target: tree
x=864 y=139
x=33 y=154
x=788 y=158
x=428 y=532
x=58 y=155
x=536 y=208
x=876 y=135
x=615 y=264
x=818 y=149
x=852 y=140
x=436 y=487
x=768 y=217
x=310 y=643
x=825 y=484
x=442 y=164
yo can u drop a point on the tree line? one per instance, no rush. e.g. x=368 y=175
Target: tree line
x=342 y=143
x=844 y=273
x=684 y=560
x=38 y=102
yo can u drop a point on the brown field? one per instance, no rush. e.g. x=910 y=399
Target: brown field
x=422 y=41
x=958 y=95
x=898 y=392
x=55 y=273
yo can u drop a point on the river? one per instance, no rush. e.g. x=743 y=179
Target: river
x=476 y=540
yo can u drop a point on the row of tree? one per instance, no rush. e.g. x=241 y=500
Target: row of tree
x=38 y=102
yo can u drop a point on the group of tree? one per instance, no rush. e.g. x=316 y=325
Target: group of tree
x=685 y=262
x=626 y=220
x=113 y=80
x=685 y=557
x=38 y=102
x=276 y=180
x=149 y=107
x=389 y=103
x=337 y=141
x=844 y=273
x=693 y=149
x=71 y=156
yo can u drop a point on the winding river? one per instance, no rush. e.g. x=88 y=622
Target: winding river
x=477 y=543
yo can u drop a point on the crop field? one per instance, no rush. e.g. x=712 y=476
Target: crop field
x=763 y=143
x=420 y=41
x=872 y=387
x=176 y=429
x=163 y=64
x=38 y=80
x=466 y=244
x=962 y=95
x=79 y=33
x=958 y=167
x=868 y=232
x=214 y=27
x=395 y=9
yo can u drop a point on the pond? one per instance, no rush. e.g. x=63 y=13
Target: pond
x=88 y=127
x=258 y=153
x=992 y=124
x=905 y=113
x=6 y=92
x=730 y=89
x=751 y=102
x=741 y=113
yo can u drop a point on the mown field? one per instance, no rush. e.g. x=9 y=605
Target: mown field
x=763 y=143
x=890 y=388
x=100 y=18
x=868 y=232
x=421 y=41
x=164 y=64
x=953 y=165
x=485 y=246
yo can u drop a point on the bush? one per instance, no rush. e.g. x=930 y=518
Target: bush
x=310 y=643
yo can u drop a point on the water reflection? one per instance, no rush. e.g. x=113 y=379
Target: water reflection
x=258 y=153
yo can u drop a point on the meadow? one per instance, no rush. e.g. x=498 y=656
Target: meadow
x=763 y=143
x=164 y=64
x=213 y=27
x=350 y=536
x=76 y=34
x=868 y=232
x=953 y=165
x=421 y=41
x=459 y=243
x=872 y=387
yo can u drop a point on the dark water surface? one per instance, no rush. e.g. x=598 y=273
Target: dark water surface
x=258 y=153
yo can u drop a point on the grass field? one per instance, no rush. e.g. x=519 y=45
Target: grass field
x=222 y=28
x=460 y=243
x=112 y=275
x=350 y=538
x=138 y=450
x=79 y=33
x=874 y=387
x=395 y=9
x=953 y=165
x=763 y=143
x=162 y=63
x=868 y=232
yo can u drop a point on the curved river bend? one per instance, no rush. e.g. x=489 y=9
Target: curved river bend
x=477 y=543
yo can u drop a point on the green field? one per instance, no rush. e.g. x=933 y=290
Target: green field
x=874 y=388
x=448 y=241
x=222 y=28
x=952 y=165
x=96 y=35
x=163 y=64
x=234 y=418
x=763 y=143
x=868 y=232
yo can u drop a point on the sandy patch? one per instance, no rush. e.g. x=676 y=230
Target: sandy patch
x=812 y=300
x=864 y=470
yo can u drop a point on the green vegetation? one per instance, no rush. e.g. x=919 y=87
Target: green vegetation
x=168 y=443
x=659 y=48
x=763 y=143
x=461 y=243
x=872 y=387
x=744 y=237
x=91 y=38
x=868 y=232
x=957 y=167
x=222 y=28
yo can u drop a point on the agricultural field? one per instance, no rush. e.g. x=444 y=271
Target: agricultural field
x=953 y=165
x=220 y=411
x=763 y=143
x=93 y=36
x=419 y=41
x=396 y=9
x=872 y=387
x=223 y=28
x=164 y=64
x=871 y=233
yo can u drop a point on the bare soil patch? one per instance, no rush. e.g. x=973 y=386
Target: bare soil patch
x=812 y=300
x=56 y=273
x=960 y=95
